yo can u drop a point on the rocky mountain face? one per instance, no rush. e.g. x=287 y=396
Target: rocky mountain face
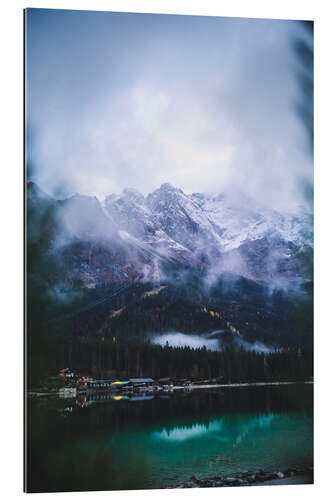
x=116 y=240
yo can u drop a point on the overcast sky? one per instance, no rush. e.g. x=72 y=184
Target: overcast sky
x=135 y=100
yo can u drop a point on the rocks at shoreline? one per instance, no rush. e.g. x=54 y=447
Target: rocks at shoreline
x=245 y=478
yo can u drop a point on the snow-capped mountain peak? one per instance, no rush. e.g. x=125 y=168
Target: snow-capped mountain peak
x=200 y=228
x=220 y=233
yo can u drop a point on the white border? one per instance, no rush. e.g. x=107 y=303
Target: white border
x=11 y=195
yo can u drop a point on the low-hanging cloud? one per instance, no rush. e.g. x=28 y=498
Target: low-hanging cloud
x=203 y=103
x=178 y=339
x=212 y=341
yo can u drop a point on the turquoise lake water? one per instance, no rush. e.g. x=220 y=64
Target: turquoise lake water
x=156 y=443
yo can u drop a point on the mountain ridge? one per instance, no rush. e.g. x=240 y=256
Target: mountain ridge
x=218 y=233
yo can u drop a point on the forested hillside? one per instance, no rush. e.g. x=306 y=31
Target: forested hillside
x=85 y=283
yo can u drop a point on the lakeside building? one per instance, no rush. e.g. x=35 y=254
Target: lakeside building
x=66 y=373
x=99 y=384
x=141 y=382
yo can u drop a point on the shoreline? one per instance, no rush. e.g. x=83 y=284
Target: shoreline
x=245 y=384
x=37 y=394
x=293 y=475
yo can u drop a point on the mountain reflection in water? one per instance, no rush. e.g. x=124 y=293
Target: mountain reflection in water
x=182 y=433
x=157 y=443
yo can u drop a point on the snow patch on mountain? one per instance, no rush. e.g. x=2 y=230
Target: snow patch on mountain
x=198 y=223
x=217 y=233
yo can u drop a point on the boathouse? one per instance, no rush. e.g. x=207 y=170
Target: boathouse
x=66 y=372
x=104 y=384
x=141 y=382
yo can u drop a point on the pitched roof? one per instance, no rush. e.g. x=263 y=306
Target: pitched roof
x=139 y=380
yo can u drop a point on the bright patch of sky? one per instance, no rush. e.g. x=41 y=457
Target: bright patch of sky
x=134 y=100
